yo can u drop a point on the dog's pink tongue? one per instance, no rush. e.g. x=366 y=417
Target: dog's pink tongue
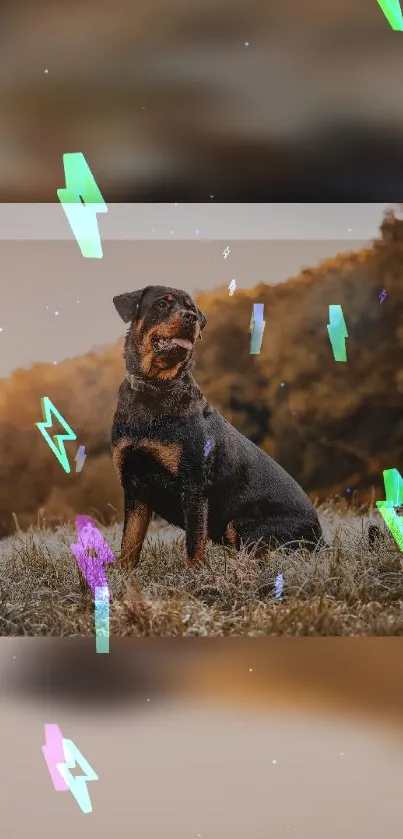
x=182 y=342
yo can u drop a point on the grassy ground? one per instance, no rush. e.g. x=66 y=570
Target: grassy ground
x=347 y=588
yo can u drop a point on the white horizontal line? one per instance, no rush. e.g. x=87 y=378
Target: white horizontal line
x=206 y=221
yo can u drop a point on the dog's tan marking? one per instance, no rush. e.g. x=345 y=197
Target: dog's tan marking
x=170 y=373
x=231 y=534
x=118 y=453
x=151 y=364
x=135 y=530
x=168 y=454
x=201 y=540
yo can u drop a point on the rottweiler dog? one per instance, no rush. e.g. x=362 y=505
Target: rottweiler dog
x=175 y=455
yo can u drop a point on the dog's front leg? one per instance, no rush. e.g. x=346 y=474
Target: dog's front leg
x=137 y=519
x=195 y=511
x=137 y=513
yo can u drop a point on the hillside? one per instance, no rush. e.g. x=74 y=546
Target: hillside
x=335 y=427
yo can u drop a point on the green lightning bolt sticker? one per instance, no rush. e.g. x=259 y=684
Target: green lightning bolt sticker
x=337 y=333
x=81 y=201
x=55 y=443
x=393 y=13
x=394 y=498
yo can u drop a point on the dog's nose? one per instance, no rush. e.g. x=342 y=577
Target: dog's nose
x=189 y=318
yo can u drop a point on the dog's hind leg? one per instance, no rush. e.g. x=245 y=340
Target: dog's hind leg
x=273 y=533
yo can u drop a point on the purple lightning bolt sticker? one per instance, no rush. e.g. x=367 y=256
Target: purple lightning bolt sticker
x=91 y=540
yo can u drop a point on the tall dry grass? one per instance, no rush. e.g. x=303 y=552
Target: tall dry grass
x=349 y=587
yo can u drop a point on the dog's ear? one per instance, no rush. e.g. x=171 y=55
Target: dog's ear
x=202 y=318
x=127 y=305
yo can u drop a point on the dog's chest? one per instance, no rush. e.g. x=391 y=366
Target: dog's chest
x=165 y=447
x=158 y=461
x=155 y=474
x=162 y=458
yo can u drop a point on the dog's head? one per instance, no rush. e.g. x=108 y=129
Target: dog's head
x=165 y=323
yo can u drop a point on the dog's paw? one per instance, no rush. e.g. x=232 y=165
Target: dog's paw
x=197 y=560
x=375 y=535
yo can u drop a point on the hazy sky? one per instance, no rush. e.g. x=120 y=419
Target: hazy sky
x=58 y=304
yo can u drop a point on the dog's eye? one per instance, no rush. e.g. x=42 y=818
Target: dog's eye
x=163 y=304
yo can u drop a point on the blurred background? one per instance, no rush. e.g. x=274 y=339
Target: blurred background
x=202 y=101
x=221 y=739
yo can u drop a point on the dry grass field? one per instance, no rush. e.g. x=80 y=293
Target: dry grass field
x=348 y=588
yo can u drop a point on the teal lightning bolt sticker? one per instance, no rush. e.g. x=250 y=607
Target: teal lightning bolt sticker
x=56 y=442
x=393 y=13
x=81 y=201
x=394 y=498
x=337 y=333
x=61 y=756
x=102 y=619
x=77 y=784
x=257 y=325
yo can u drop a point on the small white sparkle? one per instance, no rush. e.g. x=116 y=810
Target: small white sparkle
x=250 y=669
x=46 y=71
x=1 y=329
x=274 y=761
x=56 y=313
x=341 y=754
x=172 y=232
x=77 y=301
x=148 y=700
x=55 y=362
x=246 y=43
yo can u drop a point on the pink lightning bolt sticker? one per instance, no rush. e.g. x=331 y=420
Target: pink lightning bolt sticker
x=61 y=756
x=53 y=753
x=91 y=566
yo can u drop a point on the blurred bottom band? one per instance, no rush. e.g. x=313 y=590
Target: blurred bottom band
x=272 y=737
